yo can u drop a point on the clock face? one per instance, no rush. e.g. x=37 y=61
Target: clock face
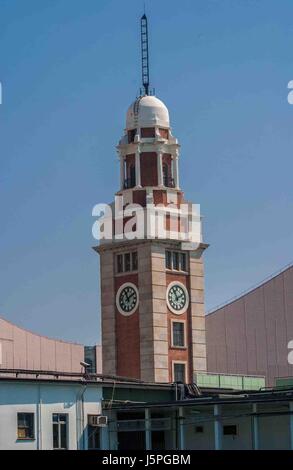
x=177 y=297
x=127 y=299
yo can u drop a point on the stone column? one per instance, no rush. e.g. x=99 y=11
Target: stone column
x=137 y=169
x=108 y=312
x=122 y=172
x=160 y=168
x=196 y=270
x=176 y=169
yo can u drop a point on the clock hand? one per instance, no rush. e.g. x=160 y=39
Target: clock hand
x=130 y=295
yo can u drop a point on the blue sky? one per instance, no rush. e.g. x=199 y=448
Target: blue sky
x=69 y=69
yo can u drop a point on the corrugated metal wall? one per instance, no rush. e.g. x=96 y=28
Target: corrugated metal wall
x=251 y=334
x=21 y=349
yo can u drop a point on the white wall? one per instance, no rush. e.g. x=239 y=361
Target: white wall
x=243 y=439
x=274 y=432
x=199 y=441
x=44 y=399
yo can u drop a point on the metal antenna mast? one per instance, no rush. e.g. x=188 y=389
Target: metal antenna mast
x=145 y=54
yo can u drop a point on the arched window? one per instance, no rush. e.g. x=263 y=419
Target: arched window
x=166 y=174
x=132 y=176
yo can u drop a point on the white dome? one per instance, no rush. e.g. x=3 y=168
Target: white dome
x=147 y=111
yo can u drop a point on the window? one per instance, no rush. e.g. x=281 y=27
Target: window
x=60 y=431
x=91 y=359
x=199 y=429
x=131 y=135
x=176 y=260
x=178 y=339
x=165 y=174
x=126 y=262
x=179 y=372
x=168 y=260
x=93 y=435
x=182 y=261
x=25 y=426
x=132 y=176
x=134 y=261
x=119 y=263
x=230 y=430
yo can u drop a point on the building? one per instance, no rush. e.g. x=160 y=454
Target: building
x=22 y=349
x=251 y=334
x=48 y=411
x=159 y=335
x=45 y=412
x=149 y=387
x=215 y=419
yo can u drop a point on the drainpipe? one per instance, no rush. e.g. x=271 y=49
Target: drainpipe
x=291 y=424
x=181 y=428
x=217 y=427
x=39 y=420
x=148 y=432
x=255 y=430
x=80 y=418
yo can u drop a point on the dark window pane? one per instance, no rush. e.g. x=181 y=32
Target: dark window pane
x=131 y=135
x=63 y=433
x=165 y=174
x=134 y=261
x=127 y=261
x=179 y=373
x=176 y=260
x=178 y=334
x=183 y=261
x=90 y=358
x=199 y=429
x=230 y=430
x=93 y=437
x=132 y=176
x=168 y=260
x=55 y=436
x=120 y=263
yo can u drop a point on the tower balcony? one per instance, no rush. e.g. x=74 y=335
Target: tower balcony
x=169 y=182
x=129 y=183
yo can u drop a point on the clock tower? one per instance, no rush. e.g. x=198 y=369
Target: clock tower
x=152 y=279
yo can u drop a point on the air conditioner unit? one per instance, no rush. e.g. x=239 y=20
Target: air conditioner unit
x=98 y=420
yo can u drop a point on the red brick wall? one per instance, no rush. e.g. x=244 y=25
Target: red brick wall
x=146 y=132
x=148 y=168
x=160 y=197
x=139 y=197
x=164 y=133
x=127 y=334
